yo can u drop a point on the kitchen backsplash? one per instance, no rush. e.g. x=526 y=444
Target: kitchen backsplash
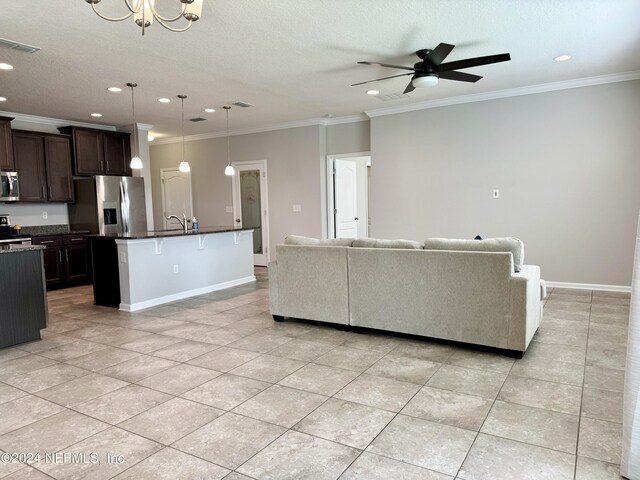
x=33 y=214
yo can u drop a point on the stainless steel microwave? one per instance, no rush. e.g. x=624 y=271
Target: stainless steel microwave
x=9 y=187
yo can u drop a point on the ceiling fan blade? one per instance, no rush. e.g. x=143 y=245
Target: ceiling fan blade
x=438 y=54
x=376 y=64
x=474 y=62
x=410 y=88
x=460 y=76
x=384 y=78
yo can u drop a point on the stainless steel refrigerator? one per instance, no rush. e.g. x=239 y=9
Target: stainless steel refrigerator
x=109 y=205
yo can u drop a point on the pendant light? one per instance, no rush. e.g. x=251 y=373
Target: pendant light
x=184 y=165
x=229 y=170
x=136 y=161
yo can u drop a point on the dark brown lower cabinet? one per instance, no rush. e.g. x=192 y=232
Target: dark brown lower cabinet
x=67 y=260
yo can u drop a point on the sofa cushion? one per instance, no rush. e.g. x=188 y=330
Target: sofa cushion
x=381 y=243
x=504 y=244
x=328 y=242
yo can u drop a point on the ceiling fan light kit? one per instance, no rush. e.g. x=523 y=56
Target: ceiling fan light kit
x=144 y=13
x=430 y=68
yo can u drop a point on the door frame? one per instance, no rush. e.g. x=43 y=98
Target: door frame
x=163 y=171
x=330 y=203
x=264 y=202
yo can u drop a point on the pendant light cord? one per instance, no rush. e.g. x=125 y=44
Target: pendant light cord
x=182 y=100
x=133 y=112
x=228 y=148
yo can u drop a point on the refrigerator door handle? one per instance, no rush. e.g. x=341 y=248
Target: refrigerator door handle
x=124 y=207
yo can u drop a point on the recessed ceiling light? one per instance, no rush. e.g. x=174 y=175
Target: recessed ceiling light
x=164 y=100
x=3 y=99
x=96 y=114
x=6 y=66
x=114 y=89
x=150 y=138
x=372 y=92
x=209 y=110
x=562 y=58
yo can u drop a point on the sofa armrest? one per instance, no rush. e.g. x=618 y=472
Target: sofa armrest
x=273 y=288
x=526 y=307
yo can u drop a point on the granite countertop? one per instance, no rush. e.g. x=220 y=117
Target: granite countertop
x=46 y=230
x=21 y=248
x=170 y=233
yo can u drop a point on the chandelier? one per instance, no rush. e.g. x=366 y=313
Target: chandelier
x=144 y=12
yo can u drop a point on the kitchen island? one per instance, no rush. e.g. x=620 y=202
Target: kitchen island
x=23 y=298
x=134 y=271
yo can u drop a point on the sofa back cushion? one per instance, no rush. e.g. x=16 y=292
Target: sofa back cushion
x=318 y=242
x=381 y=243
x=504 y=244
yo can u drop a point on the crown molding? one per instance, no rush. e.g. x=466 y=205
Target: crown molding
x=511 y=92
x=143 y=127
x=54 y=122
x=266 y=128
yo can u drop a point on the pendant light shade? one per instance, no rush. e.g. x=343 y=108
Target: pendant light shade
x=184 y=165
x=228 y=170
x=136 y=161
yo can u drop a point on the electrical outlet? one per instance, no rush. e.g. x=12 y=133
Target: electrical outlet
x=123 y=258
x=175 y=269
x=496 y=193
x=229 y=209
x=297 y=208
x=45 y=215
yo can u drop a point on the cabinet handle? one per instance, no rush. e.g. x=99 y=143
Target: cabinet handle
x=44 y=194
x=60 y=255
x=66 y=254
x=77 y=239
x=46 y=241
x=50 y=194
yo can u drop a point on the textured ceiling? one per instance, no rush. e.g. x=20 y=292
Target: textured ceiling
x=294 y=59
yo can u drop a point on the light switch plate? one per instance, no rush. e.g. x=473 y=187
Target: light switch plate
x=496 y=193
x=228 y=209
x=297 y=208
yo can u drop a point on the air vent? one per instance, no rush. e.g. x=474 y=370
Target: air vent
x=242 y=104
x=197 y=119
x=385 y=97
x=20 y=47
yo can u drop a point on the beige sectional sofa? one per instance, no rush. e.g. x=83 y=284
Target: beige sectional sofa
x=446 y=291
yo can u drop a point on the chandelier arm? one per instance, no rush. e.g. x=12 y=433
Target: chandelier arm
x=160 y=18
x=132 y=9
x=93 y=5
x=175 y=29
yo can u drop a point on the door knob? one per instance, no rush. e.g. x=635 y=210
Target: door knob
x=237 y=220
x=356 y=218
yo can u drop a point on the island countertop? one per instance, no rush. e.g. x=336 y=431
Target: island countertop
x=170 y=233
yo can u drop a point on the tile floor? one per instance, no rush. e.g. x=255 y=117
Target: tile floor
x=212 y=388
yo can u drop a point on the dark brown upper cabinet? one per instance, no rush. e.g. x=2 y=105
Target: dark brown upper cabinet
x=98 y=152
x=43 y=163
x=6 y=150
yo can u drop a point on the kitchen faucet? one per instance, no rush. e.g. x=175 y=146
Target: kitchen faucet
x=182 y=222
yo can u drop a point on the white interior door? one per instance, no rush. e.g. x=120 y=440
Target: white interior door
x=250 y=205
x=346 y=198
x=176 y=196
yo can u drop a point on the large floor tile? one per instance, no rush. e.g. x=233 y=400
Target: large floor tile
x=24 y=411
x=404 y=369
x=426 y=444
x=81 y=389
x=379 y=392
x=184 y=350
x=492 y=362
x=319 y=379
x=138 y=368
x=171 y=420
x=466 y=380
x=375 y=467
x=602 y=404
x=224 y=359
x=560 y=353
x=598 y=356
x=179 y=379
x=150 y=343
x=122 y=404
x=268 y=368
x=549 y=369
x=302 y=350
x=8 y=393
x=22 y=365
x=349 y=358
x=373 y=342
x=345 y=422
x=281 y=406
x=51 y=341
x=501 y=459
x=70 y=351
x=27 y=473
x=450 y=408
x=296 y=455
x=559 y=337
x=229 y=440
x=7 y=354
x=541 y=394
x=107 y=357
x=600 y=440
x=589 y=469
x=545 y=428
x=604 y=378
x=171 y=464
x=260 y=342
x=436 y=352
x=226 y=391
x=46 y=377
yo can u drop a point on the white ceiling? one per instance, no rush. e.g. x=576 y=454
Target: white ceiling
x=294 y=59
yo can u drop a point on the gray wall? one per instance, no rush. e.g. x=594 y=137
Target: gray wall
x=348 y=138
x=567 y=164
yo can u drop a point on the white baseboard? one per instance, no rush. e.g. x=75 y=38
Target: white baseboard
x=154 y=302
x=590 y=286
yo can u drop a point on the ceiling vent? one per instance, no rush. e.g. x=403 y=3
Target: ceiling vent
x=385 y=97
x=20 y=47
x=242 y=104
x=197 y=119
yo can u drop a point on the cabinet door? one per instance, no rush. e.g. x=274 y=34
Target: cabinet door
x=89 y=152
x=57 y=154
x=76 y=259
x=116 y=154
x=6 y=150
x=53 y=270
x=29 y=161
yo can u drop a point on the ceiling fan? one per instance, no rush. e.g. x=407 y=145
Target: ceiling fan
x=430 y=67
